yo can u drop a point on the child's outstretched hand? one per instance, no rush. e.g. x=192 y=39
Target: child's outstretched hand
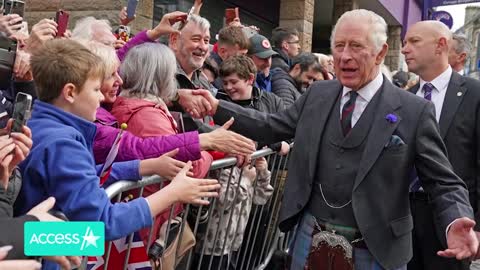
x=193 y=190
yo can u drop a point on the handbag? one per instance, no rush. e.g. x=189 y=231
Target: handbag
x=169 y=249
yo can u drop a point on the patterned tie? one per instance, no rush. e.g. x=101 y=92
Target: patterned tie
x=427 y=94
x=347 y=112
x=427 y=91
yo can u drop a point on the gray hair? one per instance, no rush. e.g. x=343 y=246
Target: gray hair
x=378 y=27
x=463 y=45
x=149 y=71
x=201 y=22
x=89 y=29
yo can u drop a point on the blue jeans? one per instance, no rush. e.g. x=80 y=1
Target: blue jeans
x=363 y=259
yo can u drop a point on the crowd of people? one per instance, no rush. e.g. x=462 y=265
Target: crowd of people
x=393 y=172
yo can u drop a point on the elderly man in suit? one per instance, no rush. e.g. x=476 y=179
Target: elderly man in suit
x=457 y=106
x=357 y=141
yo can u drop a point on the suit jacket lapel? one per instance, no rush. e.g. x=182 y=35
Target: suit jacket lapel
x=319 y=111
x=381 y=131
x=454 y=96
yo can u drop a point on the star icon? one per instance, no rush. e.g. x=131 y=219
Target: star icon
x=89 y=238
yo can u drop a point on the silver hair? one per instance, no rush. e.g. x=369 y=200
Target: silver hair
x=378 y=27
x=201 y=22
x=463 y=45
x=149 y=70
x=89 y=28
x=106 y=53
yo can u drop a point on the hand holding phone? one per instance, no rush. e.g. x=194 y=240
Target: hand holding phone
x=231 y=14
x=21 y=111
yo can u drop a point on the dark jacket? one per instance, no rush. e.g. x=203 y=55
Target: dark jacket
x=9 y=236
x=281 y=60
x=285 y=87
x=261 y=101
x=460 y=129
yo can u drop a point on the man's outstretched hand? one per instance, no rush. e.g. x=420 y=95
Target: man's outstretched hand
x=461 y=240
x=227 y=141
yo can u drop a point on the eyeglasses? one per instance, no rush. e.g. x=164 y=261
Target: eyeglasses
x=294 y=42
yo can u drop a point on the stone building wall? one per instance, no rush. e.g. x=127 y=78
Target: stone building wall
x=101 y=9
x=298 y=14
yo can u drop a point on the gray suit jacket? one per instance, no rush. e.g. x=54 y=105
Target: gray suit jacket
x=460 y=130
x=380 y=197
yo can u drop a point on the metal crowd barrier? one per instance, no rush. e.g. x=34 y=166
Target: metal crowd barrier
x=261 y=237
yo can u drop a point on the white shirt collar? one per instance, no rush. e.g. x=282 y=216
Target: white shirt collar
x=441 y=81
x=368 y=91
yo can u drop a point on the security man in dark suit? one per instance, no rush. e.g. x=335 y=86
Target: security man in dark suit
x=457 y=103
x=357 y=141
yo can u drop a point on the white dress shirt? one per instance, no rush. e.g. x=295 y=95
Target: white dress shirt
x=438 y=94
x=365 y=94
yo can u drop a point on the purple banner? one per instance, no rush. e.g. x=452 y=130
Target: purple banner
x=436 y=3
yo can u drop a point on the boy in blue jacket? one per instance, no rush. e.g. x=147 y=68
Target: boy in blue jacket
x=61 y=164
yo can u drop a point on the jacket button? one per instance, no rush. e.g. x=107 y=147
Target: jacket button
x=338 y=166
x=299 y=206
x=342 y=150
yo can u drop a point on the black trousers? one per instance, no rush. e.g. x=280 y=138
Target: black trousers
x=426 y=242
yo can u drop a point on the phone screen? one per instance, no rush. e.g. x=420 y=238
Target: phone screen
x=62 y=22
x=21 y=111
x=131 y=8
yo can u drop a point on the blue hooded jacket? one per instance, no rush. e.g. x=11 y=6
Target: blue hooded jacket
x=61 y=165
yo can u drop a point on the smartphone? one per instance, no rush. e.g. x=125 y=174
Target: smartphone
x=131 y=8
x=14 y=7
x=231 y=14
x=8 y=53
x=62 y=22
x=21 y=111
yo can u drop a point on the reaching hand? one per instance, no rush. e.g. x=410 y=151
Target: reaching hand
x=16 y=264
x=65 y=263
x=6 y=148
x=261 y=164
x=285 y=149
x=42 y=31
x=124 y=20
x=211 y=100
x=118 y=44
x=21 y=68
x=41 y=210
x=461 y=240
x=165 y=27
x=194 y=102
x=169 y=167
x=227 y=141
x=193 y=190
x=10 y=24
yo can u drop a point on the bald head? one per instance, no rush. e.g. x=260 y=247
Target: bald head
x=436 y=29
x=425 y=47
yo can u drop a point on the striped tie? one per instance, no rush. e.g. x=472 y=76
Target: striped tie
x=427 y=91
x=347 y=112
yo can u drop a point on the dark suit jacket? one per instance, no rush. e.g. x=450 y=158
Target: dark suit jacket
x=380 y=198
x=460 y=130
